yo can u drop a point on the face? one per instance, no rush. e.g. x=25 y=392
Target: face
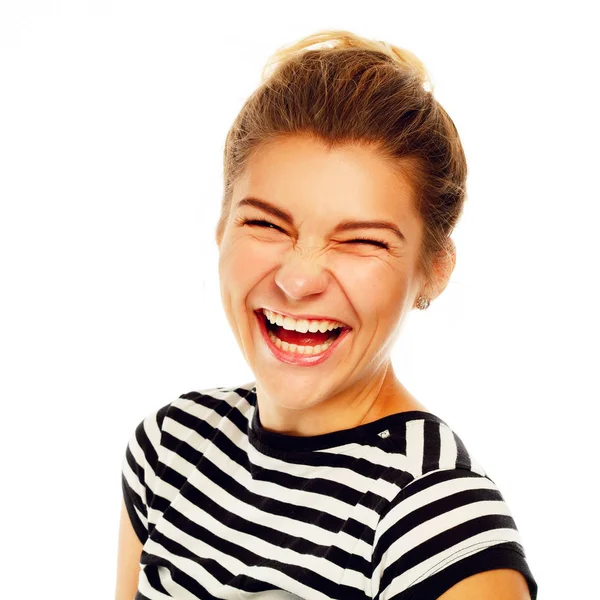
x=293 y=245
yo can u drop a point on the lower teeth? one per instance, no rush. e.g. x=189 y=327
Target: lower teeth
x=300 y=349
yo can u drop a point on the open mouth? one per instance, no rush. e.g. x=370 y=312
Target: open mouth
x=300 y=336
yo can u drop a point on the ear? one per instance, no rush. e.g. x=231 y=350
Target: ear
x=443 y=266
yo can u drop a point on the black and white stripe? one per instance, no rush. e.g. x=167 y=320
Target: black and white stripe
x=228 y=510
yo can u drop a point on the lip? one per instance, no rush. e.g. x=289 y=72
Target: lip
x=293 y=358
x=307 y=317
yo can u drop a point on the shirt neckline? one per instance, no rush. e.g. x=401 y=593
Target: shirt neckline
x=280 y=442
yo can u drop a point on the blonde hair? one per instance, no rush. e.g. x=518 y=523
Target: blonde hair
x=355 y=90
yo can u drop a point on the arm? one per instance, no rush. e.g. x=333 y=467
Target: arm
x=128 y=562
x=500 y=584
x=138 y=480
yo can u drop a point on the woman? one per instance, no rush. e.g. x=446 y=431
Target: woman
x=324 y=478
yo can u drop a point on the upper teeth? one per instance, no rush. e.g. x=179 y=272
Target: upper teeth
x=301 y=325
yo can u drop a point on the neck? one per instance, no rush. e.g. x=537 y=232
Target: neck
x=362 y=402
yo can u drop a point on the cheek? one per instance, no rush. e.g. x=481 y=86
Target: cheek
x=374 y=287
x=243 y=262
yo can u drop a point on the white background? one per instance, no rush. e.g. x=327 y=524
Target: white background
x=113 y=116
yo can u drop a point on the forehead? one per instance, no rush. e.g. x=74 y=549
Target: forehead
x=307 y=178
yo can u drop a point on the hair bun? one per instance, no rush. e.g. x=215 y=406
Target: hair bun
x=339 y=38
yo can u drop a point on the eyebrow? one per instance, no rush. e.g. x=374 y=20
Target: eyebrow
x=343 y=226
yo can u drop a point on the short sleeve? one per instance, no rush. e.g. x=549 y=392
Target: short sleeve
x=140 y=471
x=442 y=528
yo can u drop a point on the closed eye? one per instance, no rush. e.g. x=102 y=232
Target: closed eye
x=378 y=243
x=261 y=223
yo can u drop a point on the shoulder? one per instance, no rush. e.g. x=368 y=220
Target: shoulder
x=191 y=410
x=447 y=523
x=212 y=404
x=202 y=404
x=425 y=443
x=167 y=438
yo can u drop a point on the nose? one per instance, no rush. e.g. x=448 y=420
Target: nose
x=301 y=274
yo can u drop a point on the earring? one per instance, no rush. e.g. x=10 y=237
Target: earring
x=423 y=303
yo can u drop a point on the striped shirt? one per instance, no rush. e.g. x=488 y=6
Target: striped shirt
x=396 y=508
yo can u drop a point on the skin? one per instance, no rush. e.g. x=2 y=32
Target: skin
x=128 y=558
x=499 y=584
x=307 y=269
